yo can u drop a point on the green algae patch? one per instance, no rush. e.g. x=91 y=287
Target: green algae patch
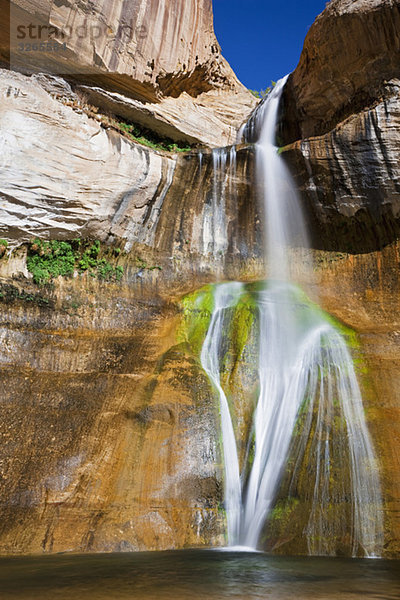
x=283 y=510
x=242 y=323
x=197 y=309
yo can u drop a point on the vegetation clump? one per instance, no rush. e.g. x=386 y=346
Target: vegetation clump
x=149 y=138
x=48 y=260
x=142 y=265
x=133 y=131
x=10 y=294
x=263 y=93
x=3 y=247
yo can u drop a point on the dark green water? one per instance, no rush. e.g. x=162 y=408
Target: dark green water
x=195 y=574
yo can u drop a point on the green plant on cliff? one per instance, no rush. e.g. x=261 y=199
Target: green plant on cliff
x=133 y=131
x=144 y=136
x=48 y=260
x=89 y=258
x=3 y=247
x=263 y=93
x=260 y=93
x=142 y=265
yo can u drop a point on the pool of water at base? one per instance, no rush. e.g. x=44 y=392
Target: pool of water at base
x=196 y=574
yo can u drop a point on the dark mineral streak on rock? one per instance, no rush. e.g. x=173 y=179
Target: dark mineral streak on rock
x=349 y=179
x=109 y=427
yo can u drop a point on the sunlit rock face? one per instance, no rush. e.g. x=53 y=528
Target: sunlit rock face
x=110 y=429
x=144 y=53
x=119 y=421
x=340 y=124
x=362 y=290
x=349 y=52
x=108 y=425
x=65 y=176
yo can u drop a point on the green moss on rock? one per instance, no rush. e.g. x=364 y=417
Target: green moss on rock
x=196 y=315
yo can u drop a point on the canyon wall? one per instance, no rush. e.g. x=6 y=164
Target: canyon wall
x=340 y=125
x=109 y=427
x=340 y=135
x=157 y=64
x=350 y=52
x=110 y=430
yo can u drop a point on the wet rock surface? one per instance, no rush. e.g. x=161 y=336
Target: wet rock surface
x=110 y=431
x=108 y=425
x=349 y=178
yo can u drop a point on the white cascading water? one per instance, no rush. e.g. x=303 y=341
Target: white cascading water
x=225 y=296
x=304 y=368
x=214 y=218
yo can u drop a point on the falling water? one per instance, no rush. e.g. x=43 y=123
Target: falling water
x=214 y=230
x=309 y=406
x=225 y=297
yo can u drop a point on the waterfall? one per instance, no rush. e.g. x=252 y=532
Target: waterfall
x=225 y=296
x=309 y=409
x=215 y=241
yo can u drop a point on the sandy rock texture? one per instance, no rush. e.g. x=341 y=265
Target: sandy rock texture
x=109 y=427
x=147 y=52
x=349 y=178
x=349 y=53
x=63 y=176
x=110 y=432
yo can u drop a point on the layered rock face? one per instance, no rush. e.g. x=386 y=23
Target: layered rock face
x=349 y=178
x=108 y=426
x=143 y=52
x=117 y=191
x=340 y=124
x=350 y=51
x=340 y=121
x=120 y=425
x=110 y=429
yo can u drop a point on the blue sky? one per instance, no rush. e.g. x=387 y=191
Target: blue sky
x=262 y=39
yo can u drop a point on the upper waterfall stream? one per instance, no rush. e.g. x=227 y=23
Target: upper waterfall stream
x=308 y=414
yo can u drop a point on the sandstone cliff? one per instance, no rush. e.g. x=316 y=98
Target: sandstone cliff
x=109 y=427
x=349 y=178
x=137 y=56
x=349 y=53
x=340 y=120
x=64 y=176
x=120 y=423
x=340 y=124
